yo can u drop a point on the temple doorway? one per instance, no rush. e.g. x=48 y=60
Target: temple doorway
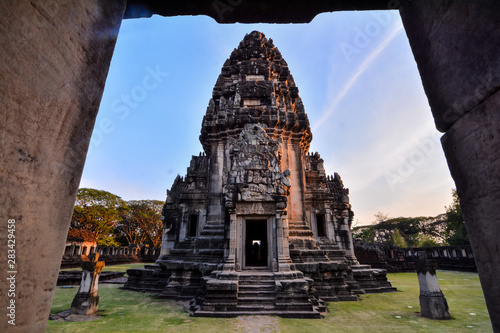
x=256 y=245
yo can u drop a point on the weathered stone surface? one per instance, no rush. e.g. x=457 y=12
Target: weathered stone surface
x=433 y=304
x=55 y=57
x=455 y=44
x=472 y=146
x=86 y=301
x=253 y=11
x=457 y=55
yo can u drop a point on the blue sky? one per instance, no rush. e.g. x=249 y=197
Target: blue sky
x=356 y=75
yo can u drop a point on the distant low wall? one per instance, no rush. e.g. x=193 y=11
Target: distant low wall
x=396 y=259
x=111 y=255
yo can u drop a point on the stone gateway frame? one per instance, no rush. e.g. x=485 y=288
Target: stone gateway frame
x=49 y=111
x=257 y=246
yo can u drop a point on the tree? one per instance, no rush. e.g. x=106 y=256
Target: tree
x=96 y=211
x=407 y=231
x=455 y=223
x=398 y=240
x=127 y=230
x=141 y=222
x=365 y=233
x=425 y=241
x=380 y=217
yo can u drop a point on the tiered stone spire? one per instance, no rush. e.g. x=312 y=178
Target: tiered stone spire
x=255 y=86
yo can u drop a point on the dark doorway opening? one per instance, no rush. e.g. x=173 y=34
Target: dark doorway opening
x=193 y=223
x=256 y=243
x=320 y=225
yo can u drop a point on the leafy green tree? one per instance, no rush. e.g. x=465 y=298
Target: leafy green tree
x=96 y=211
x=127 y=231
x=407 y=231
x=108 y=241
x=141 y=222
x=455 y=224
x=425 y=241
x=398 y=240
x=365 y=233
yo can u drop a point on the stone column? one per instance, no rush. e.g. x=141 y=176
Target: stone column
x=433 y=304
x=455 y=45
x=55 y=56
x=329 y=224
x=86 y=301
x=347 y=242
x=230 y=259
x=284 y=260
x=167 y=241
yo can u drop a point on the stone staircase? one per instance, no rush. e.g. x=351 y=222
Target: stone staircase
x=213 y=228
x=261 y=292
x=256 y=292
x=299 y=230
x=371 y=280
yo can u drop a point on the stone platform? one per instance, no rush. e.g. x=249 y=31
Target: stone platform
x=258 y=292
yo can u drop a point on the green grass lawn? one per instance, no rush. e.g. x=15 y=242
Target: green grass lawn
x=126 y=311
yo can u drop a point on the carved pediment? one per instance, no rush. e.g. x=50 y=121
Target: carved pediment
x=255 y=167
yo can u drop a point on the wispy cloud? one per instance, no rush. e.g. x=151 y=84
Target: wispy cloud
x=357 y=74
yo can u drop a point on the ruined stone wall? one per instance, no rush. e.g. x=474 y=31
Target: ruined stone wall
x=394 y=259
x=111 y=255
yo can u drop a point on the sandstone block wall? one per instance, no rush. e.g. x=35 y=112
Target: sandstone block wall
x=55 y=58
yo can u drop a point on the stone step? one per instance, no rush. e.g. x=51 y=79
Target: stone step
x=211 y=252
x=252 y=276
x=211 y=233
x=256 y=301
x=254 y=307
x=330 y=248
x=254 y=293
x=256 y=281
x=257 y=288
x=213 y=225
x=362 y=267
x=181 y=251
x=314 y=314
x=212 y=229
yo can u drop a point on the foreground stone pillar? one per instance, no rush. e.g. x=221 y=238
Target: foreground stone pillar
x=472 y=148
x=455 y=44
x=86 y=301
x=55 y=56
x=433 y=304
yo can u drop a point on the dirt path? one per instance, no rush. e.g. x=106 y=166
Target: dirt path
x=253 y=324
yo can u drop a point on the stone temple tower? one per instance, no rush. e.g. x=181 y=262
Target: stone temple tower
x=256 y=226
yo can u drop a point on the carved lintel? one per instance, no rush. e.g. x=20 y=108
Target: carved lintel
x=258 y=208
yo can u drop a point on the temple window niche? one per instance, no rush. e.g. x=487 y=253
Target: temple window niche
x=320 y=225
x=192 y=225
